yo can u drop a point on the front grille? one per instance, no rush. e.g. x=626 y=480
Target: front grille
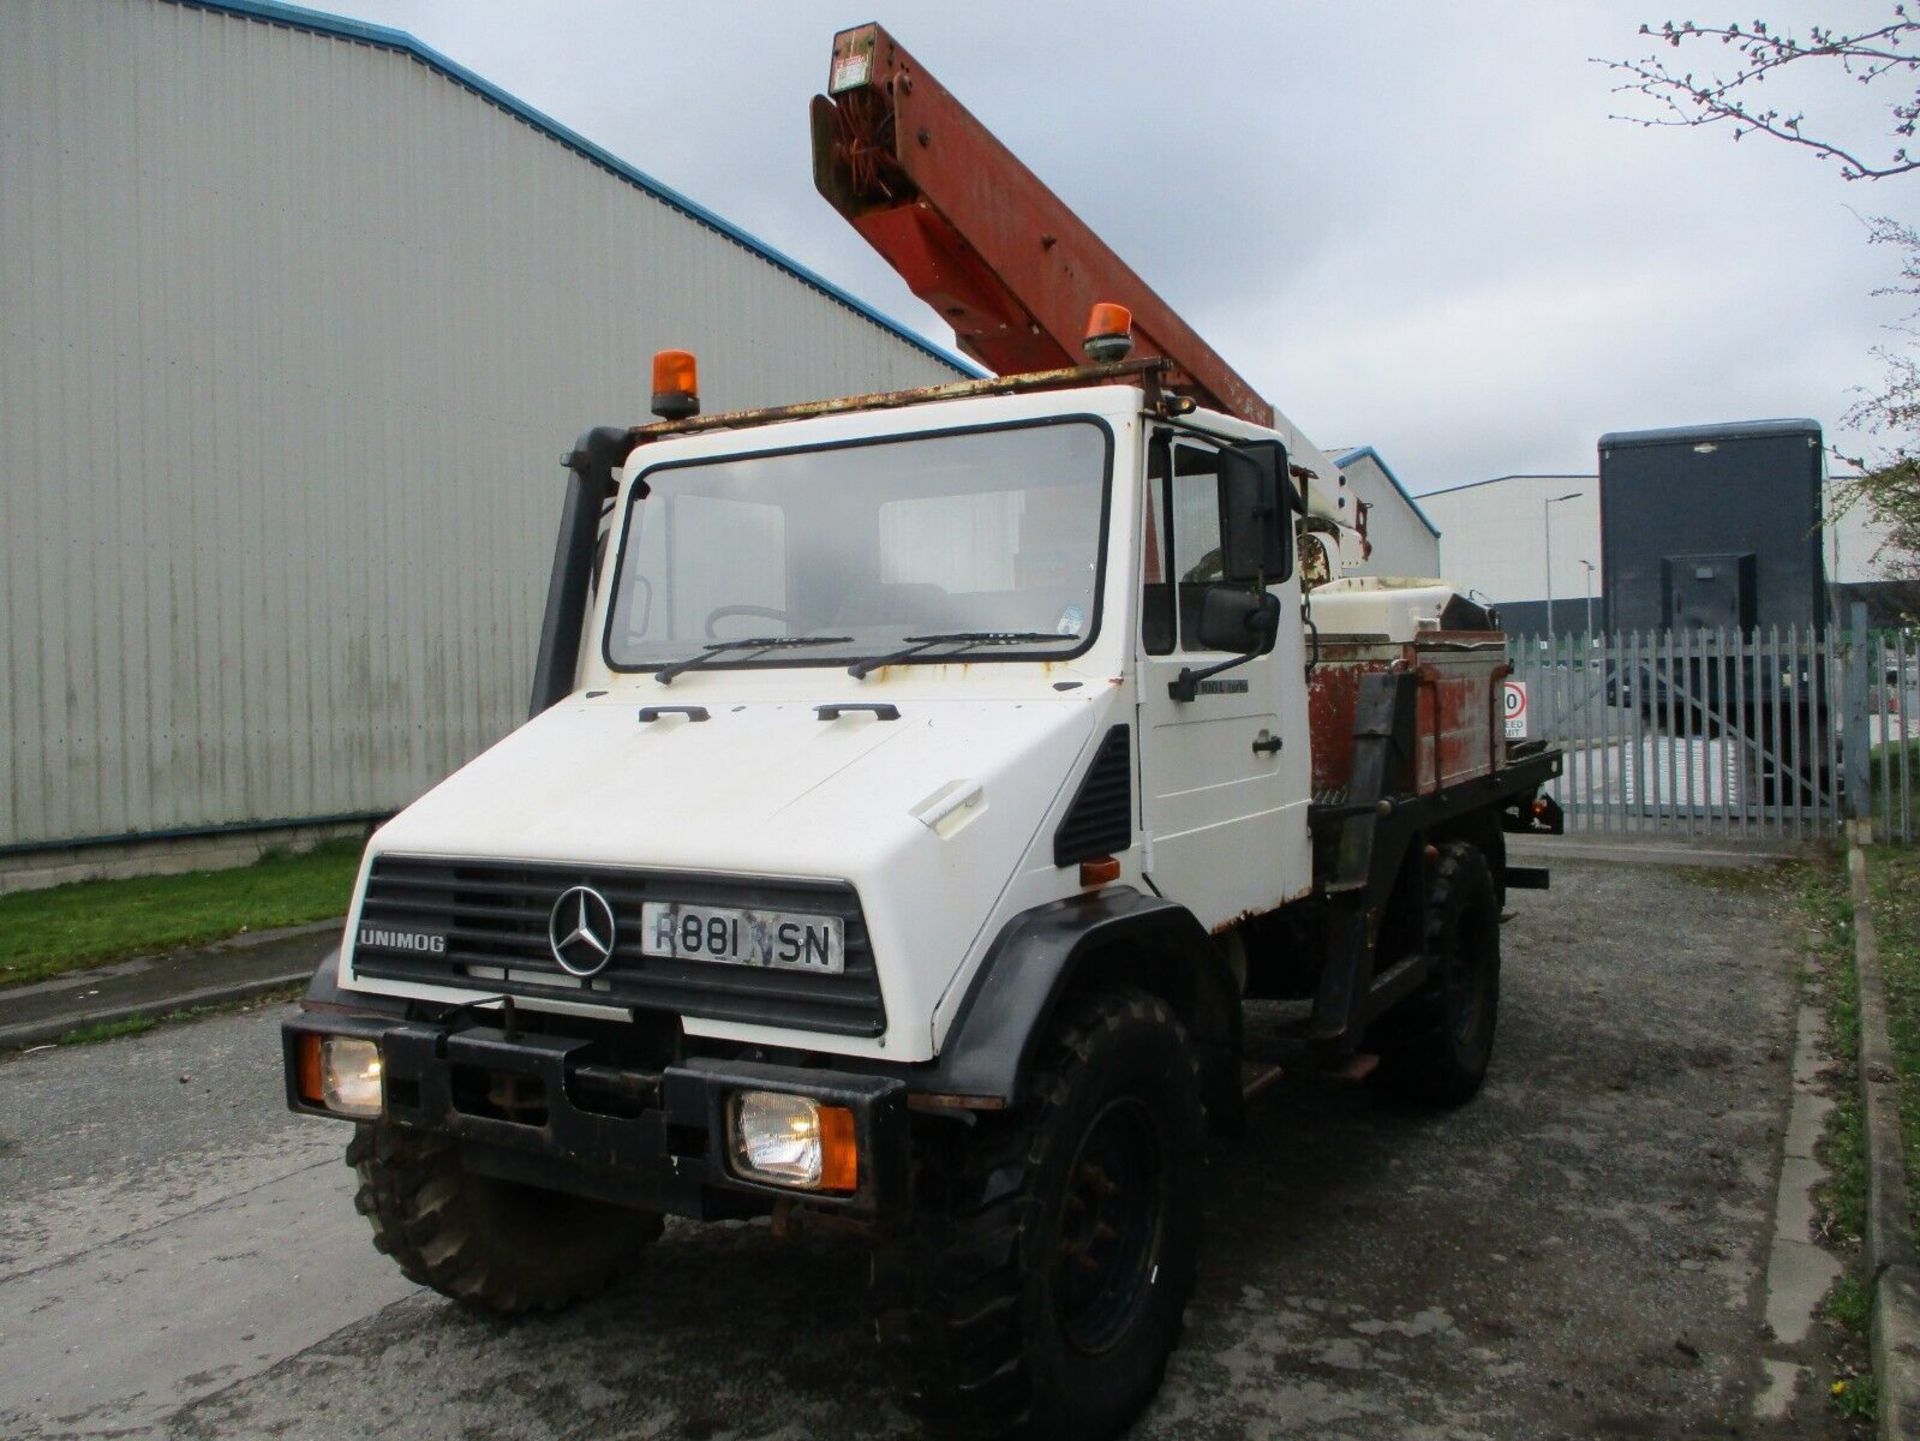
x=491 y=918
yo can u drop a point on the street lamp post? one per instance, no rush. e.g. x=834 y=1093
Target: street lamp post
x=1546 y=525
x=1589 y=565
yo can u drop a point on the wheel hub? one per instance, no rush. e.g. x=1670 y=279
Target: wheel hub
x=1109 y=1227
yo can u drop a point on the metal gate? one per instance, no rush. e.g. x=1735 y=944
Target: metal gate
x=1774 y=735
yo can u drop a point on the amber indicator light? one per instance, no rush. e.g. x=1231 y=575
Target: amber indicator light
x=307 y=1069
x=839 y=1150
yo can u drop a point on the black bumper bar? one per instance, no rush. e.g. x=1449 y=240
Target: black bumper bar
x=533 y=1108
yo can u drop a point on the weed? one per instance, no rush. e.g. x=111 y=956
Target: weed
x=1851 y=1304
x=107 y=1031
x=1858 y=1398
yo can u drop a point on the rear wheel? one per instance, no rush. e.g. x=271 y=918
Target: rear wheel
x=1435 y=1046
x=494 y=1246
x=1051 y=1256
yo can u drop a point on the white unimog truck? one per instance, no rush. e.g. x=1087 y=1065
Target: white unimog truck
x=918 y=787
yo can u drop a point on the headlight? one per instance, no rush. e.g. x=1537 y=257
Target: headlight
x=788 y=1140
x=341 y=1074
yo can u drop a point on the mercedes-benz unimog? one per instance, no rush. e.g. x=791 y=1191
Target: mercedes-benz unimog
x=919 y=787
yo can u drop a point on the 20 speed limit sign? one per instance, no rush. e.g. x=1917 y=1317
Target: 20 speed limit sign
x=1516 y=700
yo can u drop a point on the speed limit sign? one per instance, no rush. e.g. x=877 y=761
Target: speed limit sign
x=1516 y=698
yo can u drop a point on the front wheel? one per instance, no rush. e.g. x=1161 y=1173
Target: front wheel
x=1051 y=1256
x=494 y=1246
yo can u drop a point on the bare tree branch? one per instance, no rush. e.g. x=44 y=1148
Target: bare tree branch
x=1761 y=53
x=1886 y=55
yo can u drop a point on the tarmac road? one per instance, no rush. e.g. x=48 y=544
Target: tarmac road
x=1578 y=1253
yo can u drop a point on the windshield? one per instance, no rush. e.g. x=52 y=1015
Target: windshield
x=860 y=547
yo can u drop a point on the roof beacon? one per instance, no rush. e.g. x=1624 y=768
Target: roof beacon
x=676 y=385
x=1109 y=332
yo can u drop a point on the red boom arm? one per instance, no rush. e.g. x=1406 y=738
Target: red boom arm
x=977 y=235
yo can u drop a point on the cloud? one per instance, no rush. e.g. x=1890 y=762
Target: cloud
x=1409 y=225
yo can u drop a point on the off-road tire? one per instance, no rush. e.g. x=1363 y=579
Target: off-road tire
x=1436 y=1045
x=494 y=1246
x=1004 y=1308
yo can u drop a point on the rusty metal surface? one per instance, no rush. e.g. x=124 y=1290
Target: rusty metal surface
x=977 y=235
x=1458 y=716
x=1143 y=372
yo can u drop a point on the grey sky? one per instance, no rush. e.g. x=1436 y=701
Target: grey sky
x=1407 y=224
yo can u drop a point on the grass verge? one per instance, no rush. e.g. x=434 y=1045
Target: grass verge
x=1842 y=1199
x=1893 y=887
x=45 y=933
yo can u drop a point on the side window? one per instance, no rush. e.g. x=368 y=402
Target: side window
x=1156 y=594
x=1196 y=532
x=1179 y=551
x=1180 y=547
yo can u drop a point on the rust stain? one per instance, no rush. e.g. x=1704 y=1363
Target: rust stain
x=1239 y=920
x=1147 y=372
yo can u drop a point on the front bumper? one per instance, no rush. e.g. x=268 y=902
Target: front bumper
x=534 y=1108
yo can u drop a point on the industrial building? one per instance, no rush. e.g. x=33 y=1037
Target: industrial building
x=1404 y=540
x=1496 y=536
x=297 y=317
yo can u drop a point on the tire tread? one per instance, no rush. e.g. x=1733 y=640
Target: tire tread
x=950 y=1288
x=422 y=1207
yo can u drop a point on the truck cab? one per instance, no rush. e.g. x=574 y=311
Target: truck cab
x=855 y=692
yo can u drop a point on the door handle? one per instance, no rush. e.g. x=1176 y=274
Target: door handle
x=1267 y=744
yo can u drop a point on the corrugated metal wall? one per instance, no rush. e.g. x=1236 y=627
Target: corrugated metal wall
x=1493 y=538
x=293 y=331
x=1402 y=543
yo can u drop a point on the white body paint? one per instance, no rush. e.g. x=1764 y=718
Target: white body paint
x=943 y=820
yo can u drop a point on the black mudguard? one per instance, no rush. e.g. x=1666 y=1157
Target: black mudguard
x=1118 y=934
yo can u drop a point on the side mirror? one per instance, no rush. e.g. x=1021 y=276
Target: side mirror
x=1256 y=544
x=1242 y=621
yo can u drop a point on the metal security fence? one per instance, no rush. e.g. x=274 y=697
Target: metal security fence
x=1776 y=735
x=1892 y=723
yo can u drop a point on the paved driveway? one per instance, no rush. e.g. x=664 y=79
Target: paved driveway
x=1577 y=1254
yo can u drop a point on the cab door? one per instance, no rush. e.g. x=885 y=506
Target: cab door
x=1224 y=776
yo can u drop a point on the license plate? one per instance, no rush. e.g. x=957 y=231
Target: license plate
x=777 y=940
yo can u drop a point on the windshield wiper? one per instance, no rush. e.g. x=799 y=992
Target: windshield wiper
x=965 y=639
x=758 y=644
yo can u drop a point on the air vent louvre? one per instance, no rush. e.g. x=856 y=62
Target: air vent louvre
x=1100 y=820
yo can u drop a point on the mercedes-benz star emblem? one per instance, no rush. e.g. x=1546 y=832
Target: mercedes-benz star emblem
x=580 y=931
